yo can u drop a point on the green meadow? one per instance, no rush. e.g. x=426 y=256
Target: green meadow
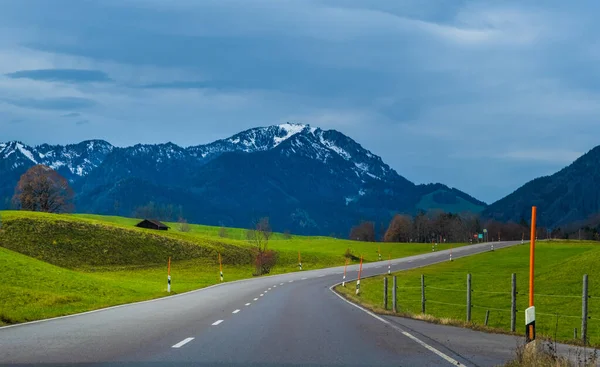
x=57 y=265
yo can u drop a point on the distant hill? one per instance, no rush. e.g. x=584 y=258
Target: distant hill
x=570 y=195
x=307 y=180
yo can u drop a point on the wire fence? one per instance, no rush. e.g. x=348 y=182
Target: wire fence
x=566 y=316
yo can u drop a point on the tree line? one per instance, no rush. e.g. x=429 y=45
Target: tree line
x=439 y=226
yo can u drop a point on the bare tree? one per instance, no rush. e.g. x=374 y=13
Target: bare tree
x=399 y=230
x=42 y=189
x=184 y=226
x=287 y=235
x=259 y=236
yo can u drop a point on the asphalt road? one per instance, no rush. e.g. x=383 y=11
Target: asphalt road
x=284 y=320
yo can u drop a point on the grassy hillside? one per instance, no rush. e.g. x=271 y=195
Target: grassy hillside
x=447 y=202
x=62 y=264
x=35 y=290
x=558 y=285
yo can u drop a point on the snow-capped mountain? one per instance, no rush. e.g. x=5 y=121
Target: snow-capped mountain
x=72 y=161
x=306 y=179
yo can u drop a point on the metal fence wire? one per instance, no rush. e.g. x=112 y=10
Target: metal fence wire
x=448 y=301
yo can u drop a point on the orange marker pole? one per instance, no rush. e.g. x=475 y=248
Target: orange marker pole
x=531 y=327
x=299 y=261
x=220 y=266
x=358 y=280
x=169 y=276
x=344 y=278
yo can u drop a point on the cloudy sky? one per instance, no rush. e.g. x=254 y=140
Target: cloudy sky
x=479 y=95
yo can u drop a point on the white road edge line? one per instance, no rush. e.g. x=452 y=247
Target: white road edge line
x=236 y=311
x=217 y=322
x=182 y=343
x=415 y=339
x=248 y=304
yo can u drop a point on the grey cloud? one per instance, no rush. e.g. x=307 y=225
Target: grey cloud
x=61 y=75
x=59 y=103
x=71 y=114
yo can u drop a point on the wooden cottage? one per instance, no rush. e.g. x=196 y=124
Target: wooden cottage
x=152 y=224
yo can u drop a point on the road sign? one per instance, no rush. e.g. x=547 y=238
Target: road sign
x=480 y=236
x=484 y=230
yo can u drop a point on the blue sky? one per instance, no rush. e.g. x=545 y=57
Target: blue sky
x=479 y=95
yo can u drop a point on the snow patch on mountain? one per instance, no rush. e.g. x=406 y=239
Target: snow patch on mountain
x=290 y=130
x=331 y=145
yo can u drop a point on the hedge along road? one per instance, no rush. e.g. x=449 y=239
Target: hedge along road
x=287 y=319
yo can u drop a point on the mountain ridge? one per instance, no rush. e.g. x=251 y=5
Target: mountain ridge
x=568 y=195
x=298 y=175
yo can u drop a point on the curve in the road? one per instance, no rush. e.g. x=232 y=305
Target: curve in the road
x=289 y=319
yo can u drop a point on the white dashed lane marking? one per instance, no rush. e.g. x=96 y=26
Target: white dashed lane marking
x=248 y=304
x=217 y=322
x=256 y=299
x=182 y=343
x=236 y=311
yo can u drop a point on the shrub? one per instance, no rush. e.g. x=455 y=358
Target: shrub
x=349 y=255
x=184 y=226
x=264 y=261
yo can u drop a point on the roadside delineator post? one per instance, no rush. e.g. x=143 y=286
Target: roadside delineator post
x=379 y=252
x=344 y=278
x=220 y=266
x=394 y=295
x=299 y=261
x=390 y=264
x=450 y=252
x=169 y=276
x=358 y=280
x=530 y=312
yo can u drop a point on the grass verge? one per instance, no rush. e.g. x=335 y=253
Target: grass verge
x=559 y=270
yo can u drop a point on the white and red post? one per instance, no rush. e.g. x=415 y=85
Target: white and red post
x=344 y=278
x=220 y=266
x=358 y=280
x=169 y=276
